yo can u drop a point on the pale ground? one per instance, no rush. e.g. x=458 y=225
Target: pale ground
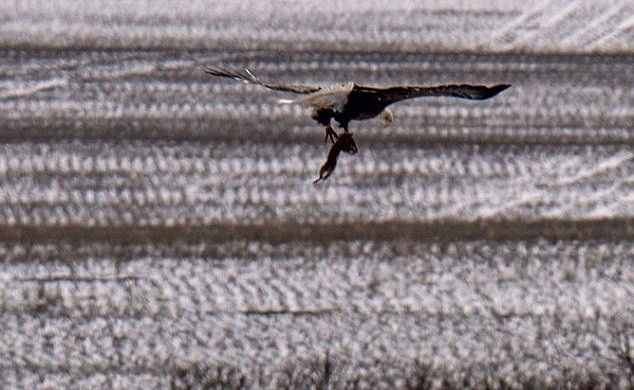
x=158 y=227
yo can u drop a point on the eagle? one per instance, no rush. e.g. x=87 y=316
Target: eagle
x=350 y=101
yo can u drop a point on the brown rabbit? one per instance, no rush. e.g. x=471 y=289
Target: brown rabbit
x=345 y=143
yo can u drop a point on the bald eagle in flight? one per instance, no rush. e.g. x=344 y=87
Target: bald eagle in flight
x=350 y=101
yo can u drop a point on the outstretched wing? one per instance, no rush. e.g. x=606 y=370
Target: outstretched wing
x=465 y=91
x=248 y=77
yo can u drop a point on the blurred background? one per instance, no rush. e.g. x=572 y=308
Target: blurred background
x=159 y=228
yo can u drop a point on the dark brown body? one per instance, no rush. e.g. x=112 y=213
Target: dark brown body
x=368 y=102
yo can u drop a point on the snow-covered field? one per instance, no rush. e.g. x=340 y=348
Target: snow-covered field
x=159 y=228
x=384 y=25
x=383 y=313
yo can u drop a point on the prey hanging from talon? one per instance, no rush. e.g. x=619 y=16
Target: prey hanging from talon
x=344 y=143
x=347 y=102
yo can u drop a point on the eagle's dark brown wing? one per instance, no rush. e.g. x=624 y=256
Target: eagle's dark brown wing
x=248 y=77
x=466 y=91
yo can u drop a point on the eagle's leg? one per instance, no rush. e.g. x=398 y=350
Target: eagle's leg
x=330 y=133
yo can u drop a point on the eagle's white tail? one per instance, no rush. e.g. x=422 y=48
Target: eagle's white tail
x=286 y=101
